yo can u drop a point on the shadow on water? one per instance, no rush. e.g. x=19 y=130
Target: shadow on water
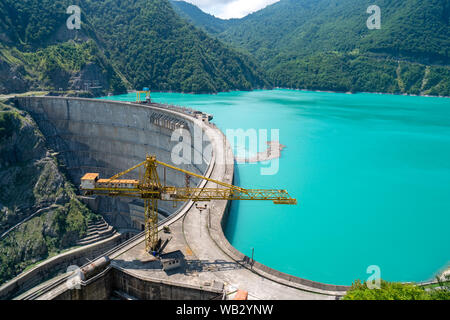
x=232 y=219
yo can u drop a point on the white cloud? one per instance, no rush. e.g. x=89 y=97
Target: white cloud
x=227 y=9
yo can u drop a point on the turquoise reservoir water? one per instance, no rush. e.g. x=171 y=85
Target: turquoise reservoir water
x=371 y=173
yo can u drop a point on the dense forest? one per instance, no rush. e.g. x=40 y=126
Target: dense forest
x=306 y=44
x=154 y=47
x=326 y=45
x=38 y=52
x=121 y=44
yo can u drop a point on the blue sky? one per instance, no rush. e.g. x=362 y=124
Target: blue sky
x=227 y=9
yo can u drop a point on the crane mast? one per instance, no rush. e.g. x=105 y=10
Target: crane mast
x=150 y=189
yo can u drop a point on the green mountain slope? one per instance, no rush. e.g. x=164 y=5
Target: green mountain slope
x=38 y=52
x=154 y=47
x=206 y=21
x=134 y=43
x=326 y=45
x=414 y=29
x=67 y=66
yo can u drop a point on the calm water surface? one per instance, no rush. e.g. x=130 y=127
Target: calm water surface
x=371 y=173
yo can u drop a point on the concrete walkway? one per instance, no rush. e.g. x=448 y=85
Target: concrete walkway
x=204 y=248
x=205 y=264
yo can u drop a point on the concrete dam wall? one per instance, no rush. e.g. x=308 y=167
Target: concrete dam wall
x=114 y=283
x=109 y=137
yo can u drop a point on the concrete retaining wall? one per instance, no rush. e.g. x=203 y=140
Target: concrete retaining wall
x=101 y=288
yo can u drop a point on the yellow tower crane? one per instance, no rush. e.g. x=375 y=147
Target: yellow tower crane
x=147 y=93
x=150 y=189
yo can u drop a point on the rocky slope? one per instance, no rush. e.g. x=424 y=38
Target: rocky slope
x=32 y=185
x=63 y=67
x=12 y=78
x=39 y=52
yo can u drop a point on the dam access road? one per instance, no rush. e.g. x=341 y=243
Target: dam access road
x=113 y=136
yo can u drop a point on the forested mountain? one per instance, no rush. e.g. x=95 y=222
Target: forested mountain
x=208 y=22
x=311 y=44
x=417 y=29
x=121 y=43
x=326 y=45
x=38 y=51
x=153 y=46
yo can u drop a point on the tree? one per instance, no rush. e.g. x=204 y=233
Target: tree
x=396 y=291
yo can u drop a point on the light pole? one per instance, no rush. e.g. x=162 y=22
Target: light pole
x=200 y=209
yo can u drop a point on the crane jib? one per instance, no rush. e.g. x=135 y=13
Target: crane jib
x=149 y=188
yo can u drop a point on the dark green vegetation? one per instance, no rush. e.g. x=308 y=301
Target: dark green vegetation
x=307 y=44
x=31 y=183
x=38 y=52
x=155 y=47
x=63 y=66
x=326 y=45
x=397 y=291
x=202 y=19
x=121 y=43
x=7 y=125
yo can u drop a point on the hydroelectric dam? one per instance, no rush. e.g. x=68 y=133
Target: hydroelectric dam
x=108 y=137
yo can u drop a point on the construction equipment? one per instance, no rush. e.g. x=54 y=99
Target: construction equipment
x=147 y=93
x=151 y=190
